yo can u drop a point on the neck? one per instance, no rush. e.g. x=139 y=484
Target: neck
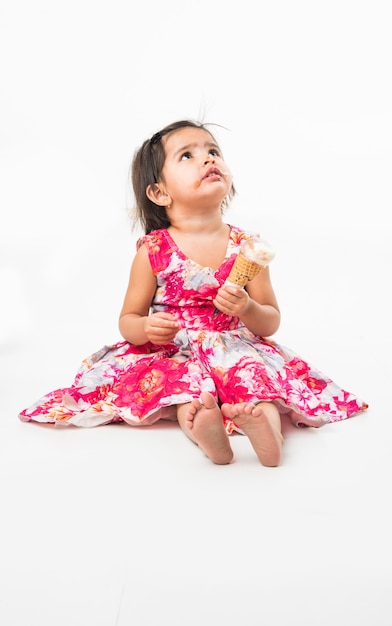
x=194 y=226
x=196 y=221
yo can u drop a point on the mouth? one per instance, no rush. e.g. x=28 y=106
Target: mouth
x=213 y=172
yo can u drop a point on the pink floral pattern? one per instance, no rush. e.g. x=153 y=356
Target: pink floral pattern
x=142 y=384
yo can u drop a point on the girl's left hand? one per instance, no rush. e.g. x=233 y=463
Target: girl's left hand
x=231 y=300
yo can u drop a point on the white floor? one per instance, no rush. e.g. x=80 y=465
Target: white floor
x=117 y=526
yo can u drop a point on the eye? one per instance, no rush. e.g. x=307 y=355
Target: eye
x=186 y=155
x=214 y=152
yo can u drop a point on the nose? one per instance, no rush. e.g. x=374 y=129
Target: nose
x=209 y=158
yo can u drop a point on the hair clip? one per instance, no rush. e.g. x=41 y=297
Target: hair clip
x=155 y=138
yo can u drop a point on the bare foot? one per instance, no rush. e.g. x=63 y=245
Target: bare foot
x=201 y=420
x=261 y=423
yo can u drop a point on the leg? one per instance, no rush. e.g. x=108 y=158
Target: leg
x=261 y=423
x=201 y=420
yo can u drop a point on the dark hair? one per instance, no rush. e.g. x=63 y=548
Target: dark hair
x=146 y=169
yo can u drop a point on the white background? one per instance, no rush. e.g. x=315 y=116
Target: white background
x=115 y=525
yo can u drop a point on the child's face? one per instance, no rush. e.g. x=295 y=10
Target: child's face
x=194 y=169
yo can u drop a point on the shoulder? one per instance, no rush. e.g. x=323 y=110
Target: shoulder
x=158 y=247
x=153 y=240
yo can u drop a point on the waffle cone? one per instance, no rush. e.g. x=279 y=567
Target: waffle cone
x=243 y=271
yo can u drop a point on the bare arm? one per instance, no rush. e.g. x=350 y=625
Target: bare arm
x=135 y=323
x=256 y=306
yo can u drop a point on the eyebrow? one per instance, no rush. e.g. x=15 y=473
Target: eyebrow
x=208 y=144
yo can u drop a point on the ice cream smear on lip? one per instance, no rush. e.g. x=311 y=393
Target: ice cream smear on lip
x=254 y=255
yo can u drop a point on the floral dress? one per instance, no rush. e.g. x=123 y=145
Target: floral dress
x=212 y=352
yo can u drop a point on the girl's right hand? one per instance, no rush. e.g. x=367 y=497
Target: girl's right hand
x=161 y=328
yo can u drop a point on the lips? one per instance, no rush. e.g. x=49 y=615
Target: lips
x=212 y=172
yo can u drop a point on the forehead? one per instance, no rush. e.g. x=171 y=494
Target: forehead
x=186 y=136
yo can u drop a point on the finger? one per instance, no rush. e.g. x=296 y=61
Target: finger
x=164 y=316
x=164 y=324
x=233 y=291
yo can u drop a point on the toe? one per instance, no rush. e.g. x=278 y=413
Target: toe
x=208 y=400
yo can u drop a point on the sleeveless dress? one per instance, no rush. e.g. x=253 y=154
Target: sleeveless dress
x=212 y=352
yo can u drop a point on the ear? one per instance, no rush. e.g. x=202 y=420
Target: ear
x=157 y=195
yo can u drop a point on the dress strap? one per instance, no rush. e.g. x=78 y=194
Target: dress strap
x=160 y=247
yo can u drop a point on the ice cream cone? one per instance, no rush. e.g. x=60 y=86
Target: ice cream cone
x=254 y=254
x=243 y=271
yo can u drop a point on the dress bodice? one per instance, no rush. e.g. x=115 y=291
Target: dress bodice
x=186 y=288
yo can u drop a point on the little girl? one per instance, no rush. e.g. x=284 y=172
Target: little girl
x=195 y=350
